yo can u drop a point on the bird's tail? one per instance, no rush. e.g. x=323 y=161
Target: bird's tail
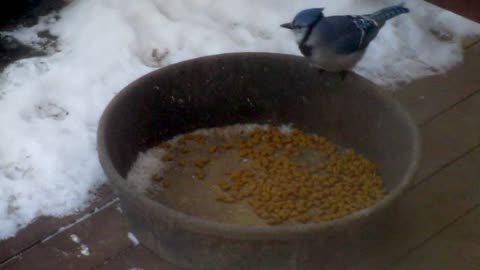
x=387 y=13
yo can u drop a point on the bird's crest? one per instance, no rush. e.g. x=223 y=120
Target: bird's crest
x=308 y=17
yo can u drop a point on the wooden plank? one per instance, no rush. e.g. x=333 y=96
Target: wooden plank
x=427 y=97
x=423 y=212
x=420 y=215
x=470 y=41
x=138 y=258
x=105 y=234
x=458 y=247
x=449 y=136
x=45 y=226
x=466 y=8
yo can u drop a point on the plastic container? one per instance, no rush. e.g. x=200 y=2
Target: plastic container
x=254 y=88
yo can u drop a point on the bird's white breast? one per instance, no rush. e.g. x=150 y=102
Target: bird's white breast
x=326 y=58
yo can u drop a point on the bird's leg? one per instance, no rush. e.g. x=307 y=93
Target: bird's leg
x=343 y=75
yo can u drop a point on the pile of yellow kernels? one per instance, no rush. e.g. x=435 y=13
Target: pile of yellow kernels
x=280 y=185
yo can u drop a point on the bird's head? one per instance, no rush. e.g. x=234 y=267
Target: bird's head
x=303 y=21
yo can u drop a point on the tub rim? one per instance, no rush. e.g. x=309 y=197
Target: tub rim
x=252 y=232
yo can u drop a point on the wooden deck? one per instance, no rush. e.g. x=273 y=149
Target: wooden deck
x=435 y=227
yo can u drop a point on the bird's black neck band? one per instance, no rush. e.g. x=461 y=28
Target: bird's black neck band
x=309 y=31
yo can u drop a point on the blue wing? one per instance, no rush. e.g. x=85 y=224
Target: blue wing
x=347 y=34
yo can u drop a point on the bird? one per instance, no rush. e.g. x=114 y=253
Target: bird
x=338 y=43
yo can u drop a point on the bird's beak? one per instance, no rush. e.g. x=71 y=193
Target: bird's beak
x=287 y=25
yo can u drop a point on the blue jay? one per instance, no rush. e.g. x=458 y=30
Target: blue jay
x=337 y=43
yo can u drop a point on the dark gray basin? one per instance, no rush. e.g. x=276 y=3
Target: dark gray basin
x=254 y=88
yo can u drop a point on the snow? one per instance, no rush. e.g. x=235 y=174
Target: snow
x=50 y=105
x=147 y=164
x=133 y=238
x=84 y=250
x=75 y=238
